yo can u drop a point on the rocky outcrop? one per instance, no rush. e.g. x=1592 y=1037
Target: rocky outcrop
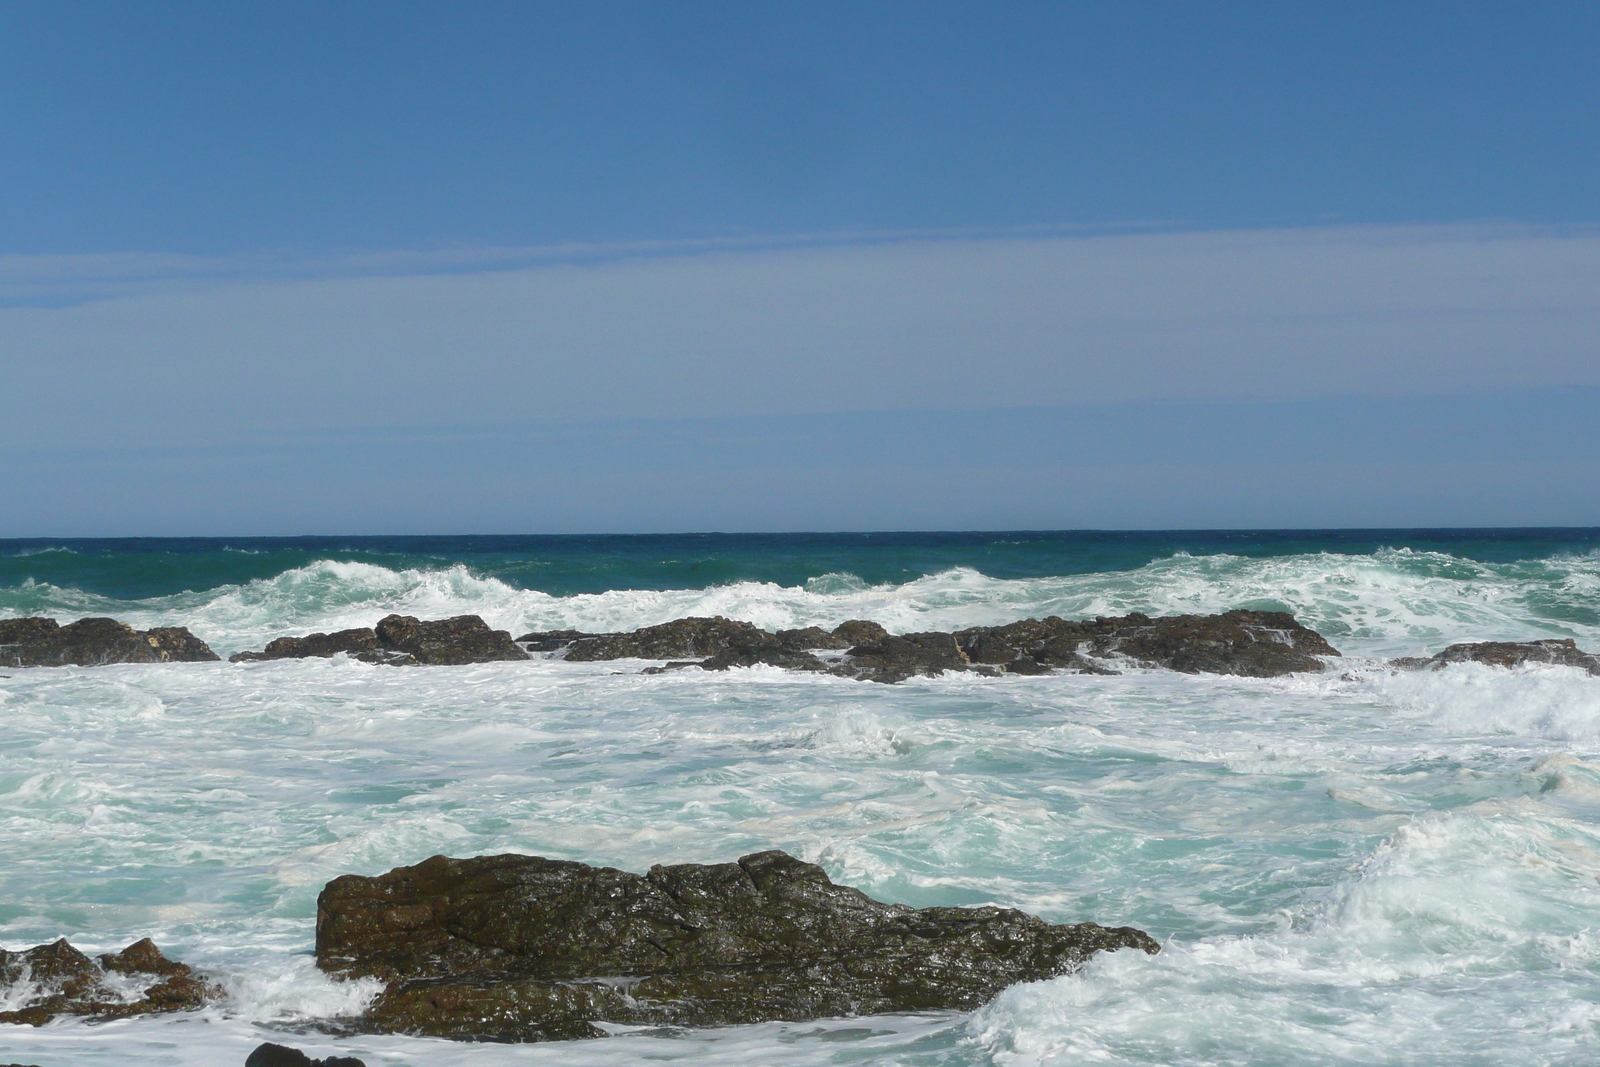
x=96 y=642
x=1562 y=652
x=401 y=640
x=1258 y=644
x=520 y=948
x=57 y=979
x=679 y=639
x=272 y=1055
x=1254 y=644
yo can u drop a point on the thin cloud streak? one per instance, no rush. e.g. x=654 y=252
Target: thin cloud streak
x=857 y=326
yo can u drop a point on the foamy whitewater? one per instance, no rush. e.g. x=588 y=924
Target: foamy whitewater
x=1353 y=868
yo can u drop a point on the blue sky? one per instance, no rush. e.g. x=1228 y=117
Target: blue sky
x=564 y=264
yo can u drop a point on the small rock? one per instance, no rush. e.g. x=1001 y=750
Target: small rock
x=63 y=981
x=1561 y=652
x=270 y=1055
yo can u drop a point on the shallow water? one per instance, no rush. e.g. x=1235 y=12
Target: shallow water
x=1357 y=867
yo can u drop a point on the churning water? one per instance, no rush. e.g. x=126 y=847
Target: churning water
x=1351 y=868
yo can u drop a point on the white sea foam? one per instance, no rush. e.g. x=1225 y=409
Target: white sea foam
x=1357 y=867
x=1392 y=603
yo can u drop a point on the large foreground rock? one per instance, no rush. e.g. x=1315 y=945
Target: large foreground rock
x=57 y=979
x=36 y=642
x=401 y=640
x=519 y=948
x=1563 y=652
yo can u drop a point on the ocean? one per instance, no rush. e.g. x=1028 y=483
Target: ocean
x=1356 y=867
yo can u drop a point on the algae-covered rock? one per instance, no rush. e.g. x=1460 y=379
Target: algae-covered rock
x=521 y=948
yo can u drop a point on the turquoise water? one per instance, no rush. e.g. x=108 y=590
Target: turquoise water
x=1352 y=868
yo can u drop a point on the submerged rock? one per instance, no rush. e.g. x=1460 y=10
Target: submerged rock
x=400 y=640
x=57 y=979
x=552 y=640
x=36 y=642
x=361 y=643
x=520 y=948
x=1561 y=652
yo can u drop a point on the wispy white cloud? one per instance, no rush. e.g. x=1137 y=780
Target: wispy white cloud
x=173 y=347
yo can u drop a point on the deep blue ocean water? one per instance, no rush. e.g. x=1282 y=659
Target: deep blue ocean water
x=136 y=568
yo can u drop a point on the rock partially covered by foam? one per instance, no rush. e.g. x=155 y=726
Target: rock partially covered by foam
x=520 y=948
x=57 y=979
x=1252 y=644
x=1256 y=644
x=721 y=643
x=401 y=640
x=36 y=642
x=1563 y=652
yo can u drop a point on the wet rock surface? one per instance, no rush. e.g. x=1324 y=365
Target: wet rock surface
x=1258 y=644
x=1254 y=644
x=1561 y=652
x=894 y=658
x=275 y=1055
x=679 y=639
x=57 y=979
x=36 y=642
x=520 y=948
x=401 y=640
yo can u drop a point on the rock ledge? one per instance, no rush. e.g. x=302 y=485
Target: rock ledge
x=521 y=948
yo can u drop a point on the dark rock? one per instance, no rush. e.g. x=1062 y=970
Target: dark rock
x=854 y=632
x=23 y=631
x=1257 y=644
x=679 y=639
x=1035 y=646
x=354 y=642
x=1253 y=644
x=811 y=637
x=66 y=982
x=896 y=658
x=551 y=640
x=462 y=639
x=520 y=948
x=1561 y=652
x=773 y=657
x=94 y=643
x=270 y=1055
x=401 y=640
